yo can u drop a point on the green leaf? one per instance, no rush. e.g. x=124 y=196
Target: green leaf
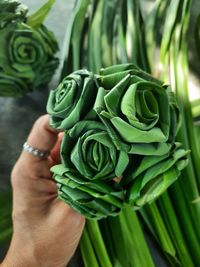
x=36 y=19
x=88 y=255
x=171 y=19
x=73 y=48
x=98 y=243
x=135 y=243
x=156 y=176
x=93 y=199
x=6 y=220
x=94 y=51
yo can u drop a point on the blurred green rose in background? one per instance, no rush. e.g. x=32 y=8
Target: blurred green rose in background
x=26 y=53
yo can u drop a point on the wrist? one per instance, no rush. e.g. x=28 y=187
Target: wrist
x=18 y=256
x=11 y=261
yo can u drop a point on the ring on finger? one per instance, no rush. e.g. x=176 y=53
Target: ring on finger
x=35 y=151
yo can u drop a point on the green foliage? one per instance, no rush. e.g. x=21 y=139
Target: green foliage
x=102 y=33
x=35 y=20
x=173 y=219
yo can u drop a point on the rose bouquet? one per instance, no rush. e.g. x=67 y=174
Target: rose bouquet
x=119 y=142
x=27 y=53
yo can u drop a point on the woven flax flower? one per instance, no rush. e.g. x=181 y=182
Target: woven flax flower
x=119 y=144
x=27 y=54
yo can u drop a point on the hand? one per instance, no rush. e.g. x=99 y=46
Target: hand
x=46 y=230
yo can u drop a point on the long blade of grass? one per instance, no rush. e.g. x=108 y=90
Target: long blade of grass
x=159 y=229
x=170 y=218
x=119 y=54
x=110 y=246
x=116 y=235
x=107 y=31
x=87 y=251
x=152 y=30
x=171 y=18
x=98 y=243
x=195 y=104
x=36 y=19
x=187 y=188
x=94 y=38
x=138 y=252
x=71 y=54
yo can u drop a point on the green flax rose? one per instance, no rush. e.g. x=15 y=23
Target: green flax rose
x=26 y=52
x=154 y=175
x=91 y=169
x=88 y=150
x=140 y=113
x=119 y=142
x=73 y=99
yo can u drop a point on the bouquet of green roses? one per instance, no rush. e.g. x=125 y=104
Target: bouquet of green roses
x=27 y=60
x=119 y=142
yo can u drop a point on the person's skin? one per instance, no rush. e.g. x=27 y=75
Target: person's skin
x=46 y=230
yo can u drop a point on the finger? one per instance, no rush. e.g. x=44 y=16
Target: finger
x=41 y=137
x=55 y=153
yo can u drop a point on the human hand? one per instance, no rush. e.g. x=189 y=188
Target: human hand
x=46 y=231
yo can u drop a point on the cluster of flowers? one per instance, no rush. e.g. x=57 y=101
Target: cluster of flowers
x=119 y=141
x=27 y=60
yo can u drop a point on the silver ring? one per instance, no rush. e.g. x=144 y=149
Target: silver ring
x=35 y=151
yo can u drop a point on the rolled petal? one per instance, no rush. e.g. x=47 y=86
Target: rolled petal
x=153 y=148
x=67 y=103
x=93 y=199
x=154 y=175
x=88 y=150
x=110 y=76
